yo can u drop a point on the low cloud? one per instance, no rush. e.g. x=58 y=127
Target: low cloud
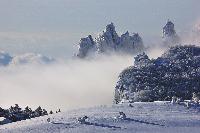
x=75 y=84
x=193 y=35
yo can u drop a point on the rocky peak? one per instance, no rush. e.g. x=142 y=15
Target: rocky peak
x=110 y=28
x=85 y=46
x=125 y=35
x=168 y=29
x=109 y=42
x=170 y=37
x=131 y=43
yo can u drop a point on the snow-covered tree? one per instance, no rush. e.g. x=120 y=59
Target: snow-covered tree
x=39 y=111
x=16 y=113
x=175 y=73
x=51 y=112
x=143 y=96
x=141 y=60
x=196 y=97
x=2 y=112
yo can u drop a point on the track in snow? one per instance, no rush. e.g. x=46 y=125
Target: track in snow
x=141 y=118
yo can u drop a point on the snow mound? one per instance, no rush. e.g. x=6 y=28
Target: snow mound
x=175 y=73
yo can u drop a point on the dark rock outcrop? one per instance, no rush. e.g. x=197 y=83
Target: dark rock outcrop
x=109 y=41
x=86 y=46
x=170 y=38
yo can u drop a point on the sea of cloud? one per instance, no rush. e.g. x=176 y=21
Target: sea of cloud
x=73 y=83
x=67 y=85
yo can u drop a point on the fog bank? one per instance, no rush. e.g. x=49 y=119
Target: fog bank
x=69 y=85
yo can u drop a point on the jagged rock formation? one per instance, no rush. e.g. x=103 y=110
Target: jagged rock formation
x=131 y=43
x=170 y=38
x=86 y=46
x=5 y=58
x=175 y=73
x=109 y=41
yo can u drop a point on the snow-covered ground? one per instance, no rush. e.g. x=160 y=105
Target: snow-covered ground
x=154 y=117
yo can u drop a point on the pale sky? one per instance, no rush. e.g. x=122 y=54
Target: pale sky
x=53 y=27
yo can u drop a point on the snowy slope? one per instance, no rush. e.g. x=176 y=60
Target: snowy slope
x=141 y=118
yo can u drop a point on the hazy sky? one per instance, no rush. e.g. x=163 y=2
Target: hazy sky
x=53 y=27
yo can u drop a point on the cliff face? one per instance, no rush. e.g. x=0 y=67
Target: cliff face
x=86 y=46
x=109 y=41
